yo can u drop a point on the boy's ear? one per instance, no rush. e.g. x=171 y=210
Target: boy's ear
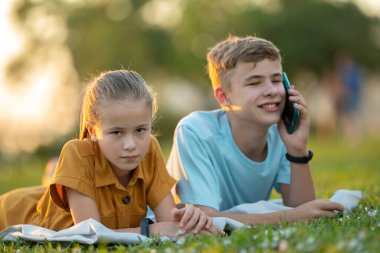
x=91 y=131
x=221 y=97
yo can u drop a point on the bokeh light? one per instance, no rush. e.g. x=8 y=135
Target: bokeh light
x=39 y=94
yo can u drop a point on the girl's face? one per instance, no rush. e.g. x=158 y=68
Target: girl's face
x=123 y=133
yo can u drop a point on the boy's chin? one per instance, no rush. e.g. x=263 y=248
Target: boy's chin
x=272 y=120
x=271 y=123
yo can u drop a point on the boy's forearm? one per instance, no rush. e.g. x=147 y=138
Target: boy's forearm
x=267 y=218
x=301 y=186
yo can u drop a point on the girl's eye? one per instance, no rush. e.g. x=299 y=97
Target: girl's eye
x=252 y=84
x=140 y=130
x=116 y=133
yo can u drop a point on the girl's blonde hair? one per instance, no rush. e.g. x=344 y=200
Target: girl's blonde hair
x=111 y=86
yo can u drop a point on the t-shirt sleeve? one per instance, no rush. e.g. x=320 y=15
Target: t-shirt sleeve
x=191 y=163
x=161 y=182
x=75 y=170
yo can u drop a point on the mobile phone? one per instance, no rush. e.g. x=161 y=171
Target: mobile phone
x=290 y=115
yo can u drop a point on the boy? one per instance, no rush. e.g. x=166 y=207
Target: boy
x=237 y=154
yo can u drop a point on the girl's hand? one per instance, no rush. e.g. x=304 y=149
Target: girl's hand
x=296 y=143
x=192 y=218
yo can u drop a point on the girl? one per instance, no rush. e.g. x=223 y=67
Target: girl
x=112 y=172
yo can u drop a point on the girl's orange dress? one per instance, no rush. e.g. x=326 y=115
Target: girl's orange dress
x=82 y=167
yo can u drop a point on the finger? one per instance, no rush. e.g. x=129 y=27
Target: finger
x=202 y=222
x=336 y=206
x=295 y=93
x=327 y=214
x=328 y=205
x=187 y=214
x=302 y=109
x=216 y=231
x=299 y=99
x=177 y=214
x=205 y=232
x=209 y=222
x=193 y=220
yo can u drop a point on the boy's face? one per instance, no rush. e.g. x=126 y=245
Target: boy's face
x=256 y=94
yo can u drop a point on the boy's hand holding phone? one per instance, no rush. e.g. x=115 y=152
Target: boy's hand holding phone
x=295 y=119
x=290 y=115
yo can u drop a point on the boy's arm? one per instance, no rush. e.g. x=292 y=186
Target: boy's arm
x=77 y=201
x=308 y=211
x=301 y=187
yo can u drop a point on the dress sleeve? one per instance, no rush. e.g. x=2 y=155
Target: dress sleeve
x=191 y=162
x=75 y=170
x=161 y=182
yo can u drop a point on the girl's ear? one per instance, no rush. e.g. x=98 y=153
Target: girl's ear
x=91 y=131
x=221 y=96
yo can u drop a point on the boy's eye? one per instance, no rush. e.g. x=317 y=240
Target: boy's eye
x=253 y=83
x=116 y=132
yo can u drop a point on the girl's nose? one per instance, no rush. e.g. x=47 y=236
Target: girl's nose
x=129 y=142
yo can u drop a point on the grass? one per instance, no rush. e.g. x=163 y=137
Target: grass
x=336 y=165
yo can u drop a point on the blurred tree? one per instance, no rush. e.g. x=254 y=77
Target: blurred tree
x=308 y=32
x=169 y=38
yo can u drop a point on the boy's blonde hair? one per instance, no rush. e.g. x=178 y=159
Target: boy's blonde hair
x=113 y=86
x=223 y=57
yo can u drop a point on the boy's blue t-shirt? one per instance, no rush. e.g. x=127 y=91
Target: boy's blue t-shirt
x=211 y=169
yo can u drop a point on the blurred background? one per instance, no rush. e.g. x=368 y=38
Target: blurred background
x=50 y=49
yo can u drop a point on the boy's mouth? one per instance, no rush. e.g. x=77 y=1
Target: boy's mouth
x=269 y=106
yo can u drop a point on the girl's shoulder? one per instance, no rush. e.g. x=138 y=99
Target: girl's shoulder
x=154 y=146
x=83 y=147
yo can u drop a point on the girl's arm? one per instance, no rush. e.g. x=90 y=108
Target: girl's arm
x=167 y=225
x=163 y=210
x=78 y=200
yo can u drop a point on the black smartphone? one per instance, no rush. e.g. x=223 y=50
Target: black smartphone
x=290 y=115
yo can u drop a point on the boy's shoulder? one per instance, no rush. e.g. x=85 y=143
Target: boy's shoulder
x=199 y=118
x=204 y=123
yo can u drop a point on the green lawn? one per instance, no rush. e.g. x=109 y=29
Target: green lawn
x=336 y=165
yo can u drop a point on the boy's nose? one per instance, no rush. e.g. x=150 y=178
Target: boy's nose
x=270 y=89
